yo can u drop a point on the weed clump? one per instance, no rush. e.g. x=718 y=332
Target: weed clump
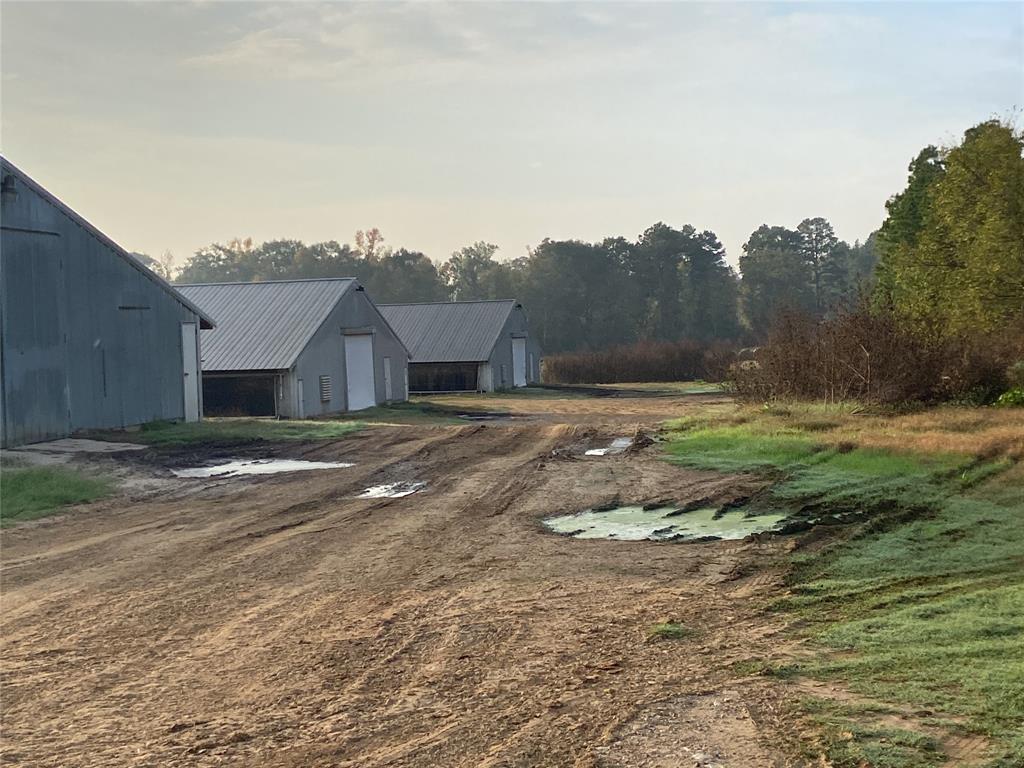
x=669 y=629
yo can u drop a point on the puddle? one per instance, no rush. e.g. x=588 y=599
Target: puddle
x=392 y=490
x=619 y=445
x=661 y=524
x=239 y=467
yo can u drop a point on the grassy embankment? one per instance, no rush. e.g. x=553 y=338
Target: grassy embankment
x=166 y=434
x=919 y=612
x=27 y=493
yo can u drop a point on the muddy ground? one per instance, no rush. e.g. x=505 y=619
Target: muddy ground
x=278 y=621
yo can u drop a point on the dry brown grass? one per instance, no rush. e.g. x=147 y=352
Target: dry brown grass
x=985 y=432
x=982 y=432
x=649 y=411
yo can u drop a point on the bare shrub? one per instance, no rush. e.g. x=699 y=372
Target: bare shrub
x=868 y=354
x=643 y=361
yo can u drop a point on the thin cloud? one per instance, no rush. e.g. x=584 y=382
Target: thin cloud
x=447 y=123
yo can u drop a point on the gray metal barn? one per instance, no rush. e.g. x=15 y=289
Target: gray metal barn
x=89 y=338
x=466 y=345
x=297 y=348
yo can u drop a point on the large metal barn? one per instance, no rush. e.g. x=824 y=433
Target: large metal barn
x=460 y=346
x=297 y=348
x=89 y=337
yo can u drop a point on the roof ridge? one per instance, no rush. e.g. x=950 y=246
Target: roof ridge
x=435 y=303
x=270 y=282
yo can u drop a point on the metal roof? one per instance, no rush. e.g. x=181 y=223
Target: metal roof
x=204 y=320
x=263 y=326
x=449 y=332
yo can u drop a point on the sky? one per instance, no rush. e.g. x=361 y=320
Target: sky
x=173 y=125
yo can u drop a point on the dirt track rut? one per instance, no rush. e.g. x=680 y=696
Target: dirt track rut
x=280 y=621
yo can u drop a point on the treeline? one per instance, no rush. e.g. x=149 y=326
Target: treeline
x=806 y=270
x=667 y=285
x=948 y=259
x=389 y=275
x=945 y=320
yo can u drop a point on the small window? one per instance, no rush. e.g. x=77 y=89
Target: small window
x=325 y=389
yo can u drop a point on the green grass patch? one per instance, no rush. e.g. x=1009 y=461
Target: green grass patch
x=668 y=630
x=741 y=448
x=838 y=475
x=817 y=706
x=169 y=434
x=983 y=470
x=415 y=411
x=850 y=744
x=32 y=492
x=922 y=605
x=930 y=613
x=229 y=430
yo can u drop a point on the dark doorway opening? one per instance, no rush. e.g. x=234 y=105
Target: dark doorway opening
x=442 y=377
x=239 y=396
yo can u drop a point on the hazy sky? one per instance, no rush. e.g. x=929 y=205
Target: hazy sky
x=173 y=125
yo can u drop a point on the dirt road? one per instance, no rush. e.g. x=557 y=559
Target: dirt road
x=279 y=621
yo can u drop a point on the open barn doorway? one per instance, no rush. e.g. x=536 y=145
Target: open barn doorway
x=239 y=395
x=443 y=377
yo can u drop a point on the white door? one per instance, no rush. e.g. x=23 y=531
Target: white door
x=485 y=378
x=388 y=393
x=190 y=366
x=518 y=362
x=359 y=372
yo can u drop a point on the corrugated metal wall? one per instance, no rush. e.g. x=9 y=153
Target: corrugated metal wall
x=324 y=356
x=34 y=343
x=502 y=353
x=87 y=340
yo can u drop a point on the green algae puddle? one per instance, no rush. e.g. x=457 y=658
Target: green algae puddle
x=661 y=524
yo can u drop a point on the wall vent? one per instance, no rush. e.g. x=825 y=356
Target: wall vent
x=325 y=389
